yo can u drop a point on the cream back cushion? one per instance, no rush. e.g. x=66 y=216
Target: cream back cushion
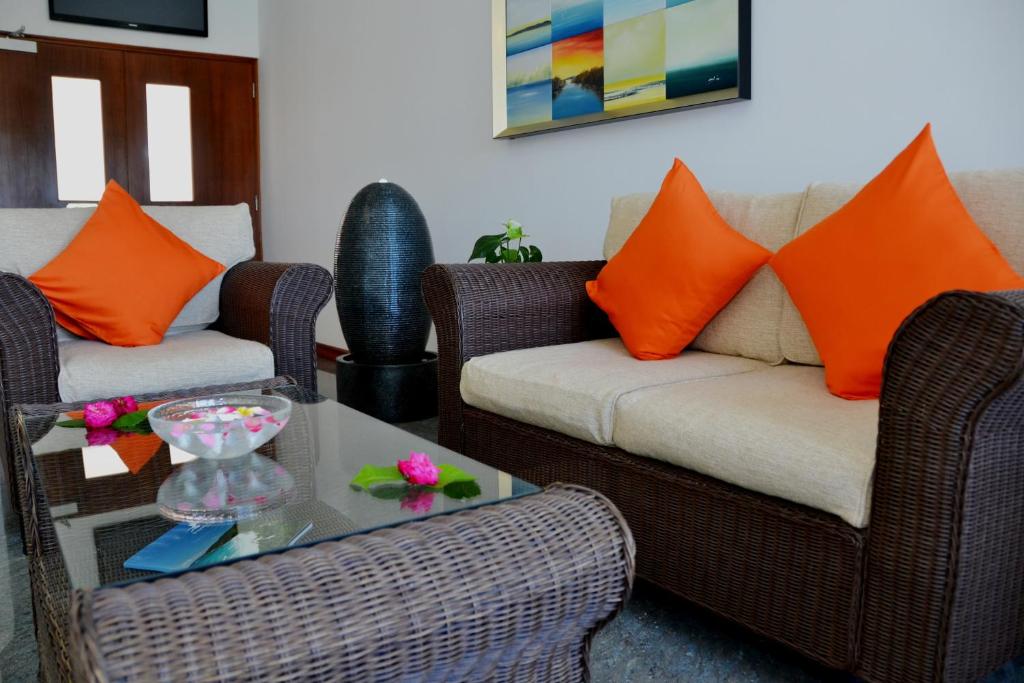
x=995 y=199
x=33 y=237
x=749 y=325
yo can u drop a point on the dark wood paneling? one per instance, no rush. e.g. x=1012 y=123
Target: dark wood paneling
x=225 y=119
x=107 y=66
x=28 y=165
x=27 y=171
x=225 y=140
x=74 y=42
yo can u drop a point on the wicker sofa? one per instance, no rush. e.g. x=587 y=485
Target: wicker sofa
x=883 y=538
x=254 y=322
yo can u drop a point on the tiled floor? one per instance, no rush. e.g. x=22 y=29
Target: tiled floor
x=656 y=639
x=17 y=640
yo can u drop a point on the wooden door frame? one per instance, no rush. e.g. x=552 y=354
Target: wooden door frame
x=257 y=206
x=76 y=42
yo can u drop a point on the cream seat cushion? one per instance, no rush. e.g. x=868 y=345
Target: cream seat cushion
x=995 y=200
x=775 y=431
x=573 y=388
x=91 y=370
x=749 y=325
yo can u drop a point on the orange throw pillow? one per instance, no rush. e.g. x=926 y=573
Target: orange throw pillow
x=858 y=274
x=124 y=278
x=678 y=269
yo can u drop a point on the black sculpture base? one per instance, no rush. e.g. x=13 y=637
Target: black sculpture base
x=393 y=393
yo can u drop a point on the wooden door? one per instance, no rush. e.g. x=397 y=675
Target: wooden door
x=224 y=123
x=24 y=165
x=28 y=166
x=225 y=134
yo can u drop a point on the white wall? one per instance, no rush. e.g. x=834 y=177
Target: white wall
x=234 y=28
x=354 y=90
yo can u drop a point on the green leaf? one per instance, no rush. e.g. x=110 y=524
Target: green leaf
x=141 y=428
x=524 y=255
x=535 y=255
x=390 y=491
x=130 y=420
x=514 y=230
x=374 y=475
x=451 y=474
x=461 y=490
x=492 y=258
x=510 y=255
x=71 y=424
x=486 y=245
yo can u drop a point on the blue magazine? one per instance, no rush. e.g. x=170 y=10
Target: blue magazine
x=179 y=548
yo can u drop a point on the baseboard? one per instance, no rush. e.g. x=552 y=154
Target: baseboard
x=328 y=352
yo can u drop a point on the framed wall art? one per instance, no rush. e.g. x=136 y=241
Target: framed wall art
x=562 y=63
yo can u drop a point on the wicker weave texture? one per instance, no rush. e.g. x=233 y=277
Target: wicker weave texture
x=382 y=249
x=273 y=303
x=480 y=309
x=508 y=592
x=933 y=590
x=782 y=569
x=945 y=573
x=51 y=592
x=277 y=304
x=28 y=363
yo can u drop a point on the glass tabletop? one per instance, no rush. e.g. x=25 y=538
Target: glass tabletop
x=101 y=491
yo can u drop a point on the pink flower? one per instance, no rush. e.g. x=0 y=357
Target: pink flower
x=125 y=405
x=100 y=414
x=418 y=470
x=418 y=501
x=103 y=436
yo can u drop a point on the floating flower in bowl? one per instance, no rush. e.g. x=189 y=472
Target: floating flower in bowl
x=221 y=427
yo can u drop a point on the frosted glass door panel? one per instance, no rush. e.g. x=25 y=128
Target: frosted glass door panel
x=169 y=131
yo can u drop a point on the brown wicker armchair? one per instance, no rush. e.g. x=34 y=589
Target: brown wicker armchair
x=275 y=304
x=931 y=590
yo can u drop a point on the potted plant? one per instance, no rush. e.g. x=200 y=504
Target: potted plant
x=498 y=248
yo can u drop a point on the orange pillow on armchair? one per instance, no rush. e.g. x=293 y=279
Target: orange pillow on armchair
x=678 y=269
x=124 y=277
x=858 y=274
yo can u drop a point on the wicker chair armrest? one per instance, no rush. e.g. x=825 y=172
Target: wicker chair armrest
x=277 y=304
x=944 y=591
x=29 y=363
x=513 y=591
x=479 y=309
x=488 y=308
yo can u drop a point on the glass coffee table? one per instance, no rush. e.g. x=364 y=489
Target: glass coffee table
x=89 y=508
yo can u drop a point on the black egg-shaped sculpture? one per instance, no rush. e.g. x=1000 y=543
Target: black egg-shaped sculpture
x=382 y=250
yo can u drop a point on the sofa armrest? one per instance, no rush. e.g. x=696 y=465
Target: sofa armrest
x=479 y=309
x=277 y=304
x=29 y=363
x=527 y=583
x=944 y=589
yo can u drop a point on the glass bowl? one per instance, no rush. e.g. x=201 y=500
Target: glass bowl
x=211 y=491
x=221 y=427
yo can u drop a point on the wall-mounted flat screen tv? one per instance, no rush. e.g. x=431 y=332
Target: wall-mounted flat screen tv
x=188 y=17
